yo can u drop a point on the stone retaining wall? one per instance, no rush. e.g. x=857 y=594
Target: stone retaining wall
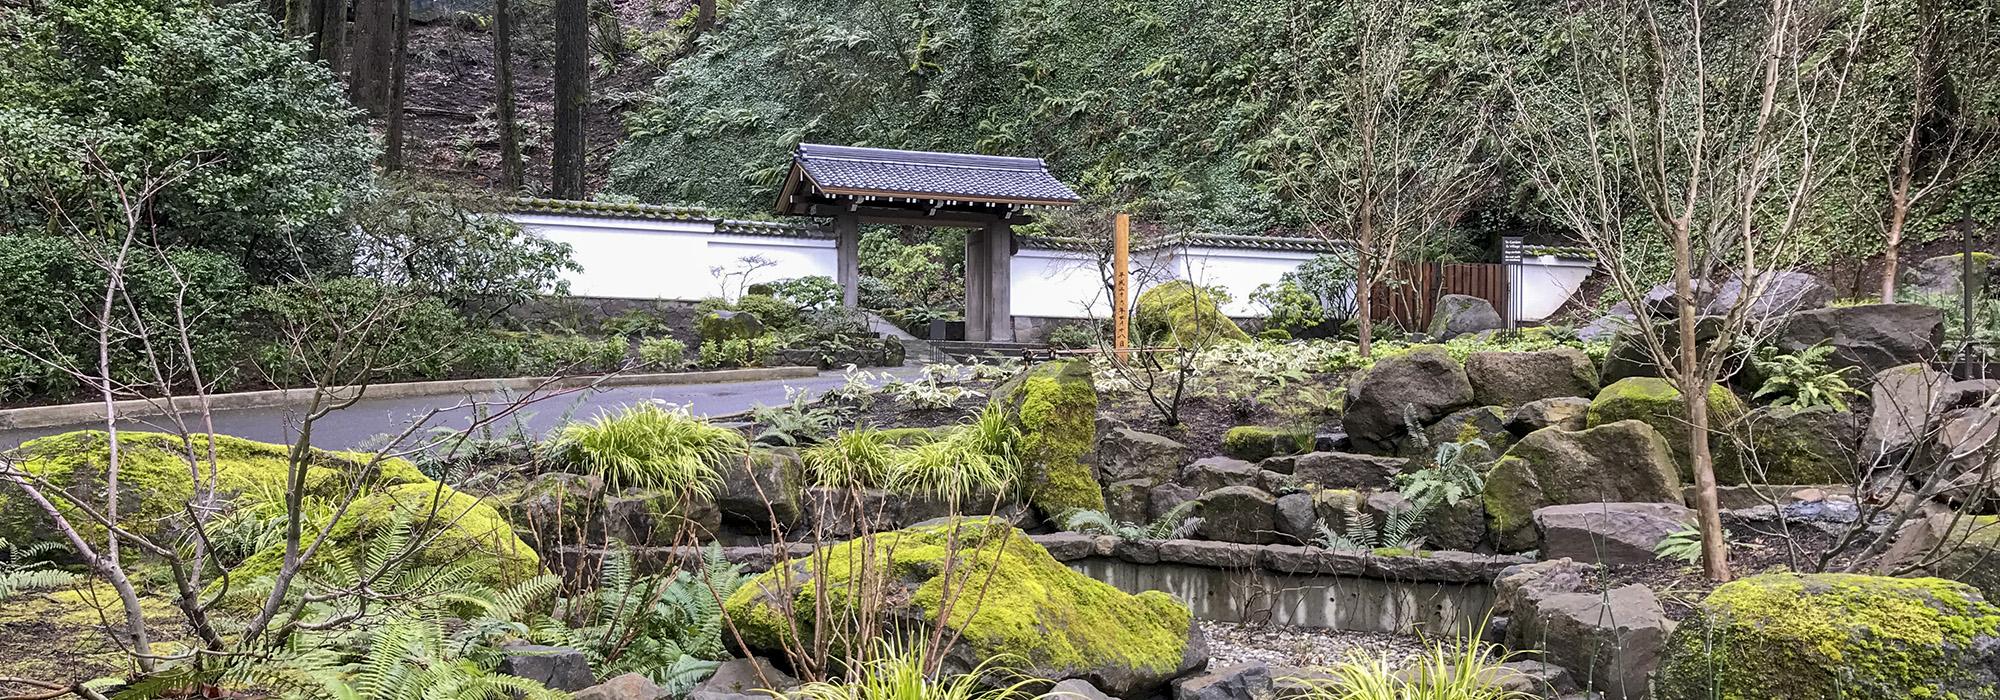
x=1433 y=592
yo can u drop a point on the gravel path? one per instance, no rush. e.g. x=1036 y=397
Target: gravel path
x=1301 y=648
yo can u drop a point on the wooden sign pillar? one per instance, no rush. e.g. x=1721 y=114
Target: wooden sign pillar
x=1121 y=286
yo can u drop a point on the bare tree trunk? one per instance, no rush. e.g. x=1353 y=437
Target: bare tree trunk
x=1364 y=305
x=704 y=17
x=374 y=56
x=392 y=152
x=503 y=97
x=572 y=19
x=1694 y=392
x=1899 y=208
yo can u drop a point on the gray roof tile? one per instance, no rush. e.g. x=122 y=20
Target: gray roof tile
x=849 y=169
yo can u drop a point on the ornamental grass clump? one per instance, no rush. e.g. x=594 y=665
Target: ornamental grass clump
x=1466 y=670
x=964 y=461
x=910 y=672
x=856 y=458
x=651 y=447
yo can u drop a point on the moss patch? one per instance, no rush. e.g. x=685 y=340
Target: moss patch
x=1252 y=443
x=1005 y=595
x=154 y=478
x=156 y=485
x=1657 y=403
x=464 y=529
x=1835 y=636
x=59 y=635
x=1181 y=314
x=1054 y=406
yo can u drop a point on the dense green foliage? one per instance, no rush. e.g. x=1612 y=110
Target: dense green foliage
x=51 y=288
x=1192 y=113
x=261 y=147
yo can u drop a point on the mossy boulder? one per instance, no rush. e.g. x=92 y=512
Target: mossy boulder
x=446 y=527
x=1253 y=443
x=729 y=325
x=1181 y=314
x=1835 y=636
x=154 y=481
x=1487 y=424
x=1656 y=402
x=1054 y=406
x=1622 y=462
x=1944 y=275
x=155 y=487
x=1006 y=598
x=1790 y=445
x=1963 y=548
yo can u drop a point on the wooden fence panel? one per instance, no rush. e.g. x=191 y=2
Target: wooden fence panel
x=1410 y=297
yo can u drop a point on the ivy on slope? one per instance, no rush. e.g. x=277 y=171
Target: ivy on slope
x=1169 y=105
x=1181 y=109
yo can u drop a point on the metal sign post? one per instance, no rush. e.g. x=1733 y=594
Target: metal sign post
x=1512 y=249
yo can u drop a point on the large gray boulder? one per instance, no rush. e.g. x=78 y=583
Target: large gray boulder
x=560 y=668
x=1608 y=533
x=1211 y=473
x=630 y=686
x=1626 y=461
x=1967 y=447
x=1424 y=384
x=1772 y=295
x=767 y=487
x=1944 y=275
x=659 y=517
x=1243 y=514
x=1346 y=470
x=1246 y=681
x=1613 y=640
x=1486 y=424
x=743 y=679
x=1568 y=413
x=1631 y=355
x=1872 y=338
x=1663 y=300
x=1514 y=378
x=1905 y=402
x=1129 y=501
x=1458 y=314
x=1124 y=453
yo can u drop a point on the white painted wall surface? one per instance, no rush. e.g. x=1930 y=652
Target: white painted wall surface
x=650 y=259
x=647 y=259
x=1239 y=270
x=1548 y=282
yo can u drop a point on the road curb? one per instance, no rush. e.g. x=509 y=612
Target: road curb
x=71 y=414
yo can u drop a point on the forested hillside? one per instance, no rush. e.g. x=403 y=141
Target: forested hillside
x=1193 y=111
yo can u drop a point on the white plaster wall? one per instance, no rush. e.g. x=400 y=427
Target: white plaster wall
x=1067 y=284
x=641 y=259
x=1238 y=270
x=1546 y=283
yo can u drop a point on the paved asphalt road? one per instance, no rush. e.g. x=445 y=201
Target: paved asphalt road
x=366 y=424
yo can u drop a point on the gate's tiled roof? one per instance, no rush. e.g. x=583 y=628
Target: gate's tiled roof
x=850 y=170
